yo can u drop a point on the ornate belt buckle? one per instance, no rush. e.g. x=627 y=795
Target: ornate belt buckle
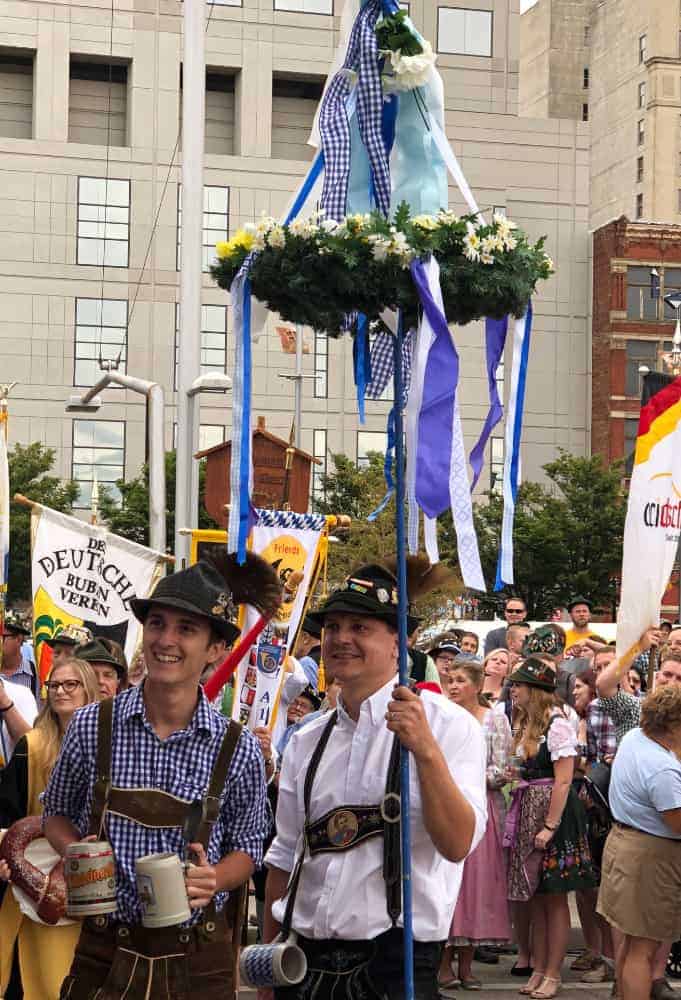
x=390 y=797
x=342 y=827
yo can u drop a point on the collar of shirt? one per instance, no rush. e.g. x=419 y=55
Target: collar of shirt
x=372 y=708
x=203 y=719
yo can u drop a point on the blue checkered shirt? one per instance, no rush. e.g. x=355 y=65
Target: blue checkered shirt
x=180 y=765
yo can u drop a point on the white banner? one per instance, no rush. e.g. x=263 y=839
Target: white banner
x=653 y=523
x=292 y=552
x=84 y=575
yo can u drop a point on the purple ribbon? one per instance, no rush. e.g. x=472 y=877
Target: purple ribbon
x=512 y=827
x=437 y=406
x=495 y=341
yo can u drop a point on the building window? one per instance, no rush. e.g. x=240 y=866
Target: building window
x=640 y=303
x=641 y=131
x=16 y=106
x=641 y=95
x=678 y=207
x=639 y=352
x=585 y=78
x=587 y=35
x=210 y=435
x=101 y=333
x=464 y=32
x=220 y=113
x=642 y=48
x=639 y=206
x=213 y=340
x=98 y=451
x=294 y=104
x=215 y=222
x=305 y=6
x=319 y=472
x=496 y=464
x=672 y=283
x=639 y=169
x=103 y=222
x=585 y=112
x=630 y=435
x=321 y=365
x=98 y=97
x=368 y=442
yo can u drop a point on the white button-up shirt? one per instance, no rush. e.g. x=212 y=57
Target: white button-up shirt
x=343 y=895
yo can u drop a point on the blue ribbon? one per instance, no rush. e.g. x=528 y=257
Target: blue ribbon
x=506 y=546
x=437 y=406
x=304 y=192
x=387 y=468
x=361 y=359
x=495 y=341
x=245 y=457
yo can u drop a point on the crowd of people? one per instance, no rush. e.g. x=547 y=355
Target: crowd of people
x=541 y=766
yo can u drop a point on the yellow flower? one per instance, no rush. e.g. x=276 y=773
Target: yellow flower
x=425 y=222
x=239 y=242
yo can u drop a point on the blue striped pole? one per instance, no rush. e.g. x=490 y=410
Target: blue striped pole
x=403 y=662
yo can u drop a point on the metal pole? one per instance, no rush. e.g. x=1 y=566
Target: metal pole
x=402 y=612
x=299 y=384
x=193 y=118
x=157 y=466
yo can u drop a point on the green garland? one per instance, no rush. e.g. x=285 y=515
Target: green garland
x=317 y=272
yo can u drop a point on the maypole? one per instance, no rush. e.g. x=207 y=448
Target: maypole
x=386 y=247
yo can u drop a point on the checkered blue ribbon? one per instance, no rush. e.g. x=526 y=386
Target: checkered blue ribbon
x=362 y=58
x=382 y=363
x=290 y=519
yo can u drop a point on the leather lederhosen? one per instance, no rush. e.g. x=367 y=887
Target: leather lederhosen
x=113 y=959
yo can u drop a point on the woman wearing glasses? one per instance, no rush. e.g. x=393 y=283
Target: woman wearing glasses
x=44 y=952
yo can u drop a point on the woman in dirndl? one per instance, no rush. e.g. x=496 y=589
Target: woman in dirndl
x=546 y=825
x=481 y=916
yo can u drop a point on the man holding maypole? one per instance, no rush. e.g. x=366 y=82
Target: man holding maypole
x=337 y=846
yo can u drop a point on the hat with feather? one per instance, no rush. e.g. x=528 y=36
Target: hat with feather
x=372 y=590
x=213 y=588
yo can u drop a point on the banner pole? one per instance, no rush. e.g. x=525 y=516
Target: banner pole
x=402 y=611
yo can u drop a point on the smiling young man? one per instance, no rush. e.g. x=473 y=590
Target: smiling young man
x=157 y=770
x=338 y=792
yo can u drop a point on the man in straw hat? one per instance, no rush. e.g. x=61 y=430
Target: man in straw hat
x=157 y=770
x=338 y=827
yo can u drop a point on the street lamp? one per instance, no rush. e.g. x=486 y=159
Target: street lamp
x=90 y=402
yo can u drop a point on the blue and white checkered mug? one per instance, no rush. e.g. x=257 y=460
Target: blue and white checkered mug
x=281 y=963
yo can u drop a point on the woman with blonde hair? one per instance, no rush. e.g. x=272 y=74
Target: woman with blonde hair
x=496 y=667
x=45 y=952
x=546 y=825
x=481 y=915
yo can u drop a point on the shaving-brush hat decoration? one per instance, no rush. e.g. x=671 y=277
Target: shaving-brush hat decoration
x=213 y=588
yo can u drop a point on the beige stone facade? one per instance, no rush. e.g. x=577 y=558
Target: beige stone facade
x=89 y=112
x=554 y=60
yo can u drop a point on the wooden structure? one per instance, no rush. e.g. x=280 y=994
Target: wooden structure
x=274 y=486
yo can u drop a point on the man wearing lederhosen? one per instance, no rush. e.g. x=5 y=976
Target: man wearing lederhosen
x=133 y=769
x=338 y=802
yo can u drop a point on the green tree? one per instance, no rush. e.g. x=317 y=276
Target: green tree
x=358 y=492
x=28 y=468
x=567 y=536
x=130 y=517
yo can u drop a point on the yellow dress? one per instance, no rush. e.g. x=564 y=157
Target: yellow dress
x=45 y=953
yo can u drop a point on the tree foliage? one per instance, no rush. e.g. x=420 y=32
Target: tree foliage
x=130 y=517
x=567 y=535
x=358 y=492
x=28 y=468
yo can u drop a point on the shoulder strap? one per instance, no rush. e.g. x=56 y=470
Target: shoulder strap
x=391 y=811
x=307 y=798
x=102 y=789
x=211 y=800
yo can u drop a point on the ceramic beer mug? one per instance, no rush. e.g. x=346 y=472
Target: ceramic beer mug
x=281 y=963
x=162 y=890
x=90 y=873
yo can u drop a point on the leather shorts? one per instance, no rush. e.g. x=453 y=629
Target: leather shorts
x=173 y=963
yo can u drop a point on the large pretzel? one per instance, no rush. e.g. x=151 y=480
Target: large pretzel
x=47 y=892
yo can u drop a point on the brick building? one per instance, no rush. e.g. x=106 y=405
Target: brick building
x=635 y=265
